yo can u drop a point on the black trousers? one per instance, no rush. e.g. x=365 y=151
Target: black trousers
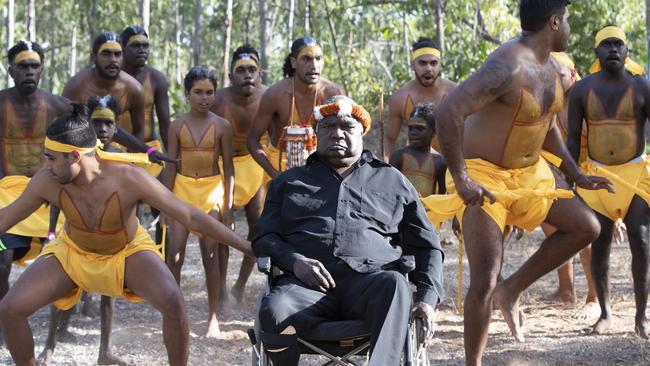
x=381 y=299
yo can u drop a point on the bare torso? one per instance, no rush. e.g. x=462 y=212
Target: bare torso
x=511 y=130
x=615 y=115
x=22 y=129
x=240 y=115
x=294 y=107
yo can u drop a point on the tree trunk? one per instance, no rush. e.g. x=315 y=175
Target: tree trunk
x=178 y=27
x=263 y=29
x=292 y=8
x=11 y=21
x=196 y=36
x=31 y=20
x=92 y=20
x=145 y=13
x=247 y=20
x=73 y=51
x=336 y=47
x=52 y=37
x=647 y=27
x=440 y=24
x=307 y=16
x=226 y=45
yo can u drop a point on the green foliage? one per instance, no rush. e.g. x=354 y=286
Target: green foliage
x=373 y=37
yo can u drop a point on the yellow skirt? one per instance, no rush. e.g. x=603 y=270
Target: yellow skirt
x=35 y=225
x=629 y=179
x=103 y=274
x=523 y=196
x=249 y=178
x=206 y=193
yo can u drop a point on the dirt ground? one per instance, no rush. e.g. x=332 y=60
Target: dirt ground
x=554 y=337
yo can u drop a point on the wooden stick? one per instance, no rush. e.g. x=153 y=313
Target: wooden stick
x=381 y=122
x=460 y=276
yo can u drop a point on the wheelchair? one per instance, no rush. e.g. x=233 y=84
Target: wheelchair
x=338 y=341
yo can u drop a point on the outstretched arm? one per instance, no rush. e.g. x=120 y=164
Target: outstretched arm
x=134 y=144
x=156 y=195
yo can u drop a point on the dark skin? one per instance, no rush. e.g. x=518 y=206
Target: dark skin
x=242 y=99
x=105 y=130
x=610 y=84
x=136 y=55
x=427 y=87
x=25 y=97
x=107 y=78
x=275 y=107
x=419 y=146
x=199 y=120
x=566 y=291
x=491 y=97
x=89 y=181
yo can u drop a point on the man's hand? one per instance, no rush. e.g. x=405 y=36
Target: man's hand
x=313 y=273
x=594 y=182
x=473 y=193
x=159 y=157
x=427 y=314
x=619 y=232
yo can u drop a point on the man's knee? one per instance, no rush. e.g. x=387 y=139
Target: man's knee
x=172 y=301
x=274 y=310
x=11 y=309
x=586 y=227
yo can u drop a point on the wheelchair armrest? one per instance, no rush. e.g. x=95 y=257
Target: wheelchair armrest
x=264 y=265
x=407 y=264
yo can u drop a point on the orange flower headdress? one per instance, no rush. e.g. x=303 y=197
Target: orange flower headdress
x=342 y=108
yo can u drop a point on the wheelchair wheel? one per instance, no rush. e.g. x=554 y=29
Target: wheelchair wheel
x=419 y=350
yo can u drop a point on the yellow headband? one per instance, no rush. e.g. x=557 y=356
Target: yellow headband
x=615 y=32
x=244 y=62
x=27 y=55
x=103 y=113
x=610 y=32
x=110 y=45
x=564 y=59
x=203 y=84
x=137 y=38
x=309 y=50
x=426 y=51
x=65 y=148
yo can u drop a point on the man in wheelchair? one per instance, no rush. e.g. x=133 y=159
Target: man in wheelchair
x=337 y=227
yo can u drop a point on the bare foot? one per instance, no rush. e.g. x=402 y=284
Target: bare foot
x=641 y=328
x=563 y=297
x=601 y=326
x=213 y=329
x=238 y=293
x=510 y=310
x=590 y=310
x=45 y=357
x=110 y=359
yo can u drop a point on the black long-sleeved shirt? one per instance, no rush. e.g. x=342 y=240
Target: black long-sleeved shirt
x=367 y=219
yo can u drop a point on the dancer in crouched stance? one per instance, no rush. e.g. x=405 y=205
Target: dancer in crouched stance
x=102 y=247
